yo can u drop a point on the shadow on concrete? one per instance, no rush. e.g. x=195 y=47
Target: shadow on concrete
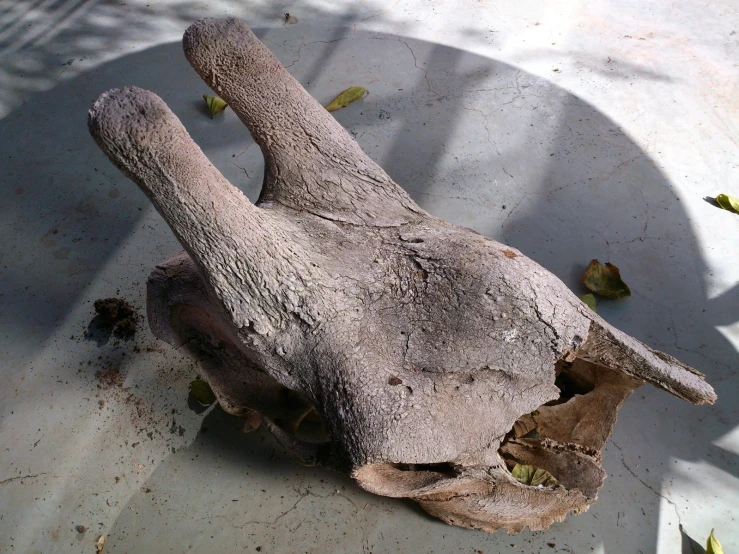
x=475 y=141
x=689 y=545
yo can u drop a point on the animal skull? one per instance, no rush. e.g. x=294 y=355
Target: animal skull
x=368 y=336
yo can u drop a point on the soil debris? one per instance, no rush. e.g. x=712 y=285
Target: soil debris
x=117 y=316
x=109 y=377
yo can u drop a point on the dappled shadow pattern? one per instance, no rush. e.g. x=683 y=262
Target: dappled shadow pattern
x=473 y=140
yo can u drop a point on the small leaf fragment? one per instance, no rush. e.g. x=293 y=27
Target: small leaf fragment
x=524 y=425
x=290 y=19
x=533 y=476
x=252 y=420
x=589 y=300
x=345 y=97
x=100 y=544
x=201 y=392
x=215 y=104
x=713 y=546
x=728 y=202
x=605 y=280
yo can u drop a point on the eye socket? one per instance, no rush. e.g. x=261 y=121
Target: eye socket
x=312 y=429
x=580 y=420
x=573 y=380
x=300 y=419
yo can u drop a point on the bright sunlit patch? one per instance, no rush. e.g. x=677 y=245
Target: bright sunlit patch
x=729 y=441
x=731 y=333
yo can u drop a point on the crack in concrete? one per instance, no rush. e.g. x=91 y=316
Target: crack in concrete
x=673 y=328
x=303 y=495
x=237 y=156
x=485 y=124
x=300 y=48
x=242 y=169
x=354 y=27
x=601 y=177
x=10 y=479
x=650 y=487
x=519 y=93
x=511 y=176
x=678 y=347
x=415 y=63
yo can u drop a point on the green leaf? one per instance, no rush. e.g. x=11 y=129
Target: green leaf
x=533 y=476
x=728 y=202
x=349 y=95
x=605 y=280
x=215 y=104
x=201 y=392
x=713 y=546
x=589 y=300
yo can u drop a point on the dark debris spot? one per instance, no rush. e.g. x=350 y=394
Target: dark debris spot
x=109 y=377
x=116 y=317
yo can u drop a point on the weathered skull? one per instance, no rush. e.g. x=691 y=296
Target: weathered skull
x=370 y=337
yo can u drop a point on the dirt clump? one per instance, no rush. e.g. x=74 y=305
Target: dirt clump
x=117 y=316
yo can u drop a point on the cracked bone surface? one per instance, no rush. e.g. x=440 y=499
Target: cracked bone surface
x=368 y=336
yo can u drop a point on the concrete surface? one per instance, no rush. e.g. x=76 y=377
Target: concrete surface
x=571 y=130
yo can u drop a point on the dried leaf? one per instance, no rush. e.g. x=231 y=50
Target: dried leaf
x=100 y=544
x=252 y=420
x=713 y=546
x=201 y=392
x=349 y=95
x=728 y=202
x=589 y=299
x=524 y=425
x=605 y=280
x=533 y=476
x=215 y=104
